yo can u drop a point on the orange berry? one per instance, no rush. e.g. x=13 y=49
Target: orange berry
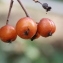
x=46 y=27
x=8 y=33
x=26 y=28
x=37 y=35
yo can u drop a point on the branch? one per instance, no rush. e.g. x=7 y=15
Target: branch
x=11 y=4
x=44 y=5
x=23 y=8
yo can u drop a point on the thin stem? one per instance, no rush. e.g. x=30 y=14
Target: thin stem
x=44 y=5
x=23 y=8
x=36 y=1
x=11 y=4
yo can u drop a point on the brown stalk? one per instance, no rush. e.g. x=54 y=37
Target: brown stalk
x=23 y=8
x=11 y=4
x=44 y=5
x=36 y=1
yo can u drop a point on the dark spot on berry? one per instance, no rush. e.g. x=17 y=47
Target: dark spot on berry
x=9 y=41
x=49 y=34
x=26 y=32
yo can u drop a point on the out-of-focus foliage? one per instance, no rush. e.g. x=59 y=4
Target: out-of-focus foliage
x=33 y=53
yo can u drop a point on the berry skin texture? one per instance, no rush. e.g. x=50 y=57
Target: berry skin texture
x=8 y=33
x=26 y=28
x=46 y=27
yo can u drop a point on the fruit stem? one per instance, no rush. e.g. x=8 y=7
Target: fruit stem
x=23 y=8
x=26 y=32
x=44 y=5
x=11 y=4
x=36 y=1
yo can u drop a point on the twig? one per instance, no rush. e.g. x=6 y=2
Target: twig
x=44 y=5
x=23 y=8
x=11 y=4
x=36 y=1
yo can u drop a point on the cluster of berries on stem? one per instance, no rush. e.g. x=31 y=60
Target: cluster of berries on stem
x=26 y=27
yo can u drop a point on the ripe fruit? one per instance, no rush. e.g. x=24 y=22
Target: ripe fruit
x=26 y=28
x=46 y=27
x=8 y=33
x=37 y=35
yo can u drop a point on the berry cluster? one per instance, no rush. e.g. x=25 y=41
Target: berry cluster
x=26 y=28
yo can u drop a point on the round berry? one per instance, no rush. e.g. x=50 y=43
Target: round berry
x=36 y=36
x=26 y=28
x=46 y=27
x=8 y=33
x=45 y=5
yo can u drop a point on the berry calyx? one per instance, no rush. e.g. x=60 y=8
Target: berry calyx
x=26 y=28
x=46 y=27
x=8 y=33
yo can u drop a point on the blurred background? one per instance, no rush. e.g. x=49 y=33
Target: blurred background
x=41 y=50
